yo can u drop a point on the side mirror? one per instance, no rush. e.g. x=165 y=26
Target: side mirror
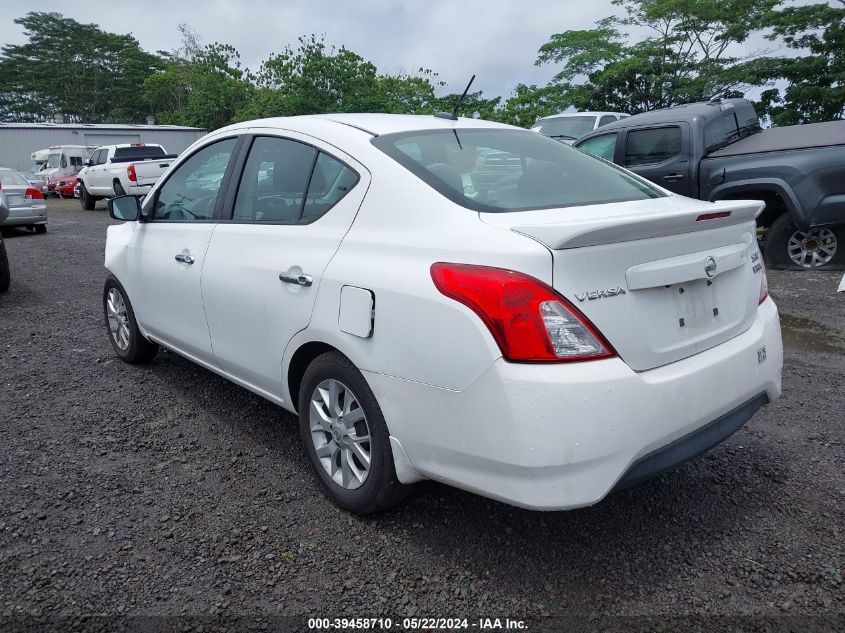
x=125 y=208
x=89 y=162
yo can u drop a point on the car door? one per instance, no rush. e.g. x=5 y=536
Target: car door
x=167 y=251
x=101 y=173
x=660 y=154
x=295 y=201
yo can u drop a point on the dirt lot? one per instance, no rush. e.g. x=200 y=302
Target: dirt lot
x=165 y=490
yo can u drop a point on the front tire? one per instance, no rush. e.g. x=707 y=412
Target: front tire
x=789 y=248
x=86 y=199
x=346 y=437
x=122 y=328
x=5 y=276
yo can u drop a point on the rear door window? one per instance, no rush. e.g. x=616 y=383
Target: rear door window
x=288 y=182
x=656 y=145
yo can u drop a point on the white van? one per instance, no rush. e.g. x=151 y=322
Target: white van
x=62 y=160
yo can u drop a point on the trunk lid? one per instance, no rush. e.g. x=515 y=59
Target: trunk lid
x=662 y=279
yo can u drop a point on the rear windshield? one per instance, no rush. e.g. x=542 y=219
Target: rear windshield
x=141 y=151
x=10 y=178
x=504 y=170
x=566 y=128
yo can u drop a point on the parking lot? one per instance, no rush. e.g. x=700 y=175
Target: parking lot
x=166 y=490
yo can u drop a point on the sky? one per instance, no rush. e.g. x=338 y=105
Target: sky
x=497 y=40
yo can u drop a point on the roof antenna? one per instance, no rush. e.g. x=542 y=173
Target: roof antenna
x=453 y=115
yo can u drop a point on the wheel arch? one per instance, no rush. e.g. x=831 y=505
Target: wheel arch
x=303 y=356
x=777 y=195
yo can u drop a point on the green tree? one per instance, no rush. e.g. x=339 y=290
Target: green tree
x=686 y=54
x=73 y=69
x=208 y=90
x=816 y=77
x=314 y=77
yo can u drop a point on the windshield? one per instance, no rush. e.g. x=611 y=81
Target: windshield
x=569 y=128
x=54 y=161
x=499 y=170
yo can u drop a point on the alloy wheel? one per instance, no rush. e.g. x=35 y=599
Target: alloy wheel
x=340 y=434
x=118 y=319
x=811 y=249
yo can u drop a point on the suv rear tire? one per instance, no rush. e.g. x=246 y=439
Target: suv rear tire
x=5 y=276
x=789 y=248
x=86 y=199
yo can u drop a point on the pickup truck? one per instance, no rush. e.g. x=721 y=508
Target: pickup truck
x=716 y=150
x=118 y=170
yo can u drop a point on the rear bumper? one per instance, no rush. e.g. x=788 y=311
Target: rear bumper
x=20 y=216
x=691 y=445
x=552 y=437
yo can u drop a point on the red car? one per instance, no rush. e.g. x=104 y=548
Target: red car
x=62 y=186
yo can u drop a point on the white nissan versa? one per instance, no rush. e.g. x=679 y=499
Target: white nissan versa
x=454 y=300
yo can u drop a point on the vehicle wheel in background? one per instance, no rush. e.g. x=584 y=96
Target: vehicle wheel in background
x=118 y=189
x=86 y=199
x=40 y=228
x=788 y=247
x=124 y=334
x=346 y=437
x=5 y=277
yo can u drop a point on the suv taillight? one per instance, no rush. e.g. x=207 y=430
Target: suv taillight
x=33 y=194
x=528 y=319
x=130 y=171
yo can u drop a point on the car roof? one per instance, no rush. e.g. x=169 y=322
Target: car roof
x=564 y=115
x=702 y=109
x=374 y=124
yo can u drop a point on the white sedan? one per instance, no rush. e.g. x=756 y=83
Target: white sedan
x=454 y=300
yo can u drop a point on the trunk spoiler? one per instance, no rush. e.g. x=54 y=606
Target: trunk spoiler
x=624 y=228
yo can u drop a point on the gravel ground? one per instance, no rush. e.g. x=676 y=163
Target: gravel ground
x=166 y=490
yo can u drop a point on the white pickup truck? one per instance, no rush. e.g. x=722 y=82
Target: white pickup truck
x=117 y=170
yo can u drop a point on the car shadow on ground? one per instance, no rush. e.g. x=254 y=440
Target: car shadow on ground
x=558 y=551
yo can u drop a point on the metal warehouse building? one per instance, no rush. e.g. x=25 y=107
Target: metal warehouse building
x=19 y=140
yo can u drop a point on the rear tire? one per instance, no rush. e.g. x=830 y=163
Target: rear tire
x=86 y=199
x=5 y=276
x=338 y=389
x=122 y=328
x=789 y=248
x=118 y=189
x=40 y=228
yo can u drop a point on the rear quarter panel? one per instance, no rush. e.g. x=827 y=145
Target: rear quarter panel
x=402 y=228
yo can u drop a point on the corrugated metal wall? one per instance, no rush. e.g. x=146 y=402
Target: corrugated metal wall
x=18 y=143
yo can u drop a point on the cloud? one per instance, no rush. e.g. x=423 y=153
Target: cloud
x=497 y=40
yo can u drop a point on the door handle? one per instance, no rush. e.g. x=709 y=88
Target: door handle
x=298 y=279
x=673 y=177
x=185 y=258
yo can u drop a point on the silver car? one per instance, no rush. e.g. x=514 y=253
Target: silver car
x=4 y=260
x=26 y=203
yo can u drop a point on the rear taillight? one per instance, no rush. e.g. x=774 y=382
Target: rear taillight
x=33 y=194
x=130 y=171
x=764 y=286
x=529 y=320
